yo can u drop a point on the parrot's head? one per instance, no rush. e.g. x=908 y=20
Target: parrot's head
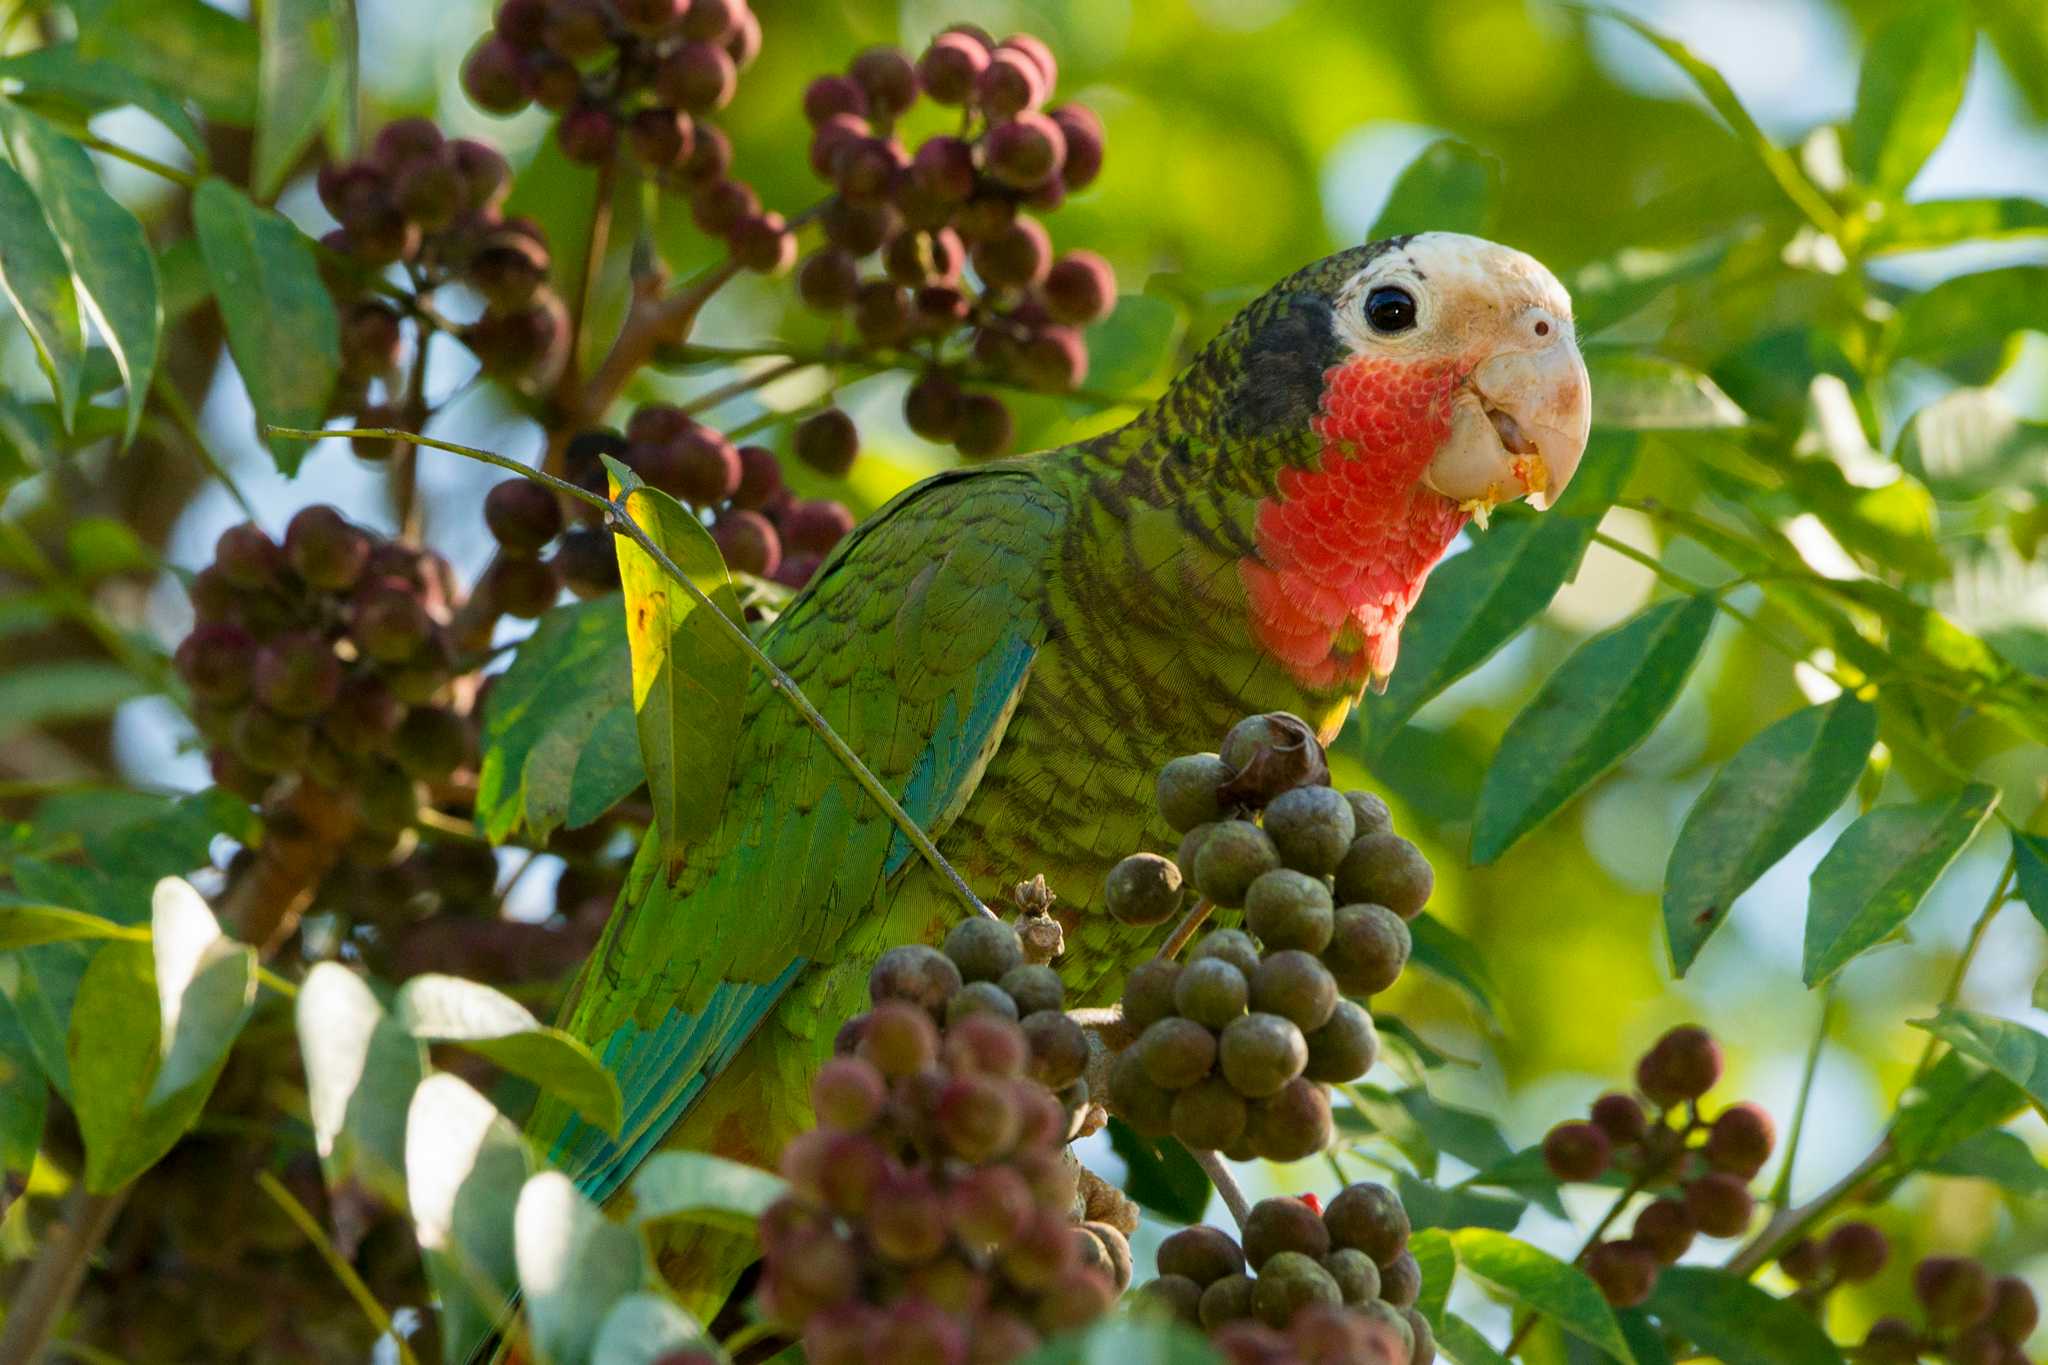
x=1373 y=403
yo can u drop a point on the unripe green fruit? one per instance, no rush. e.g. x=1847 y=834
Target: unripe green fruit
x=1358 y=1279
x=1282 y=1223
x=1201 y=1253
x=1381 y=1314
x=980 y=997
x=1423 y=1336
x=1210 y=1115
x=1035 y=987
x=1149 y=992
x=1187 y=790
x=1234 y=855
x=1234 y=946
x=1290 y=909
x=1312 y=827
x=1369 y=946
x=1288 y=1282
x=431 y=743
x=270 y=743
x=1293 y=985
x=1059 y=1048
x=1260 y=1053
x=1143 y=889
x=1146 y=1107
x=1226 y=1300
x=1176 y=1052
x=916 y=973
x=1172 y=1296
x=389 y=799
x=1210 y=992
x=1369 y=814
x=1345 y=1048
x=1385 y=869
x=984 y=948
x=1190 y=846
x=1368 y=1216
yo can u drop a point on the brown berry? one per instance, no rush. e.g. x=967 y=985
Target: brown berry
x=828 y=442
x=1682 y=1065
x=1345 y=1048
x=1385 y=869
x=1720 y=1203
x=1576 y=1151
x=1624 y=1272
x=1368 y=1216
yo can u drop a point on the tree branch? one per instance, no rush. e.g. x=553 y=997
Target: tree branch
x=53 y=1281
x=1218 y=1171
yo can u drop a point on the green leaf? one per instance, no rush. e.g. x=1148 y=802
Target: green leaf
x=559 y=742
x=704 y=1189
x=1912 y=83
x=1877 y=873
x=1955 y=1101
x=282 y=328
x=1160 y=1176
x=24 y=926
x=1450 y=187
x=643 y=1329
x=302 y=69
x=361 y=1071
x=574 y=1264
x=1431 y=1249
x=1466 y=1134
x=1973 y=440
x=689 y=677
x=1433 y=1206
x=1775 y=791
x=206 y=990
x=2014 y=1051
x=465 y=1164
x=1372 y=1111
x=1465 y=1344
x=63 y=71
x=447 y=1009
x=186 y=45
x=1443 y=951
x=1538 y=1281
x=1637 y=392
x=2030 y=864
x=1730 y=1318
x=1128 y=1341
x=2000 y=1157
x=111 y=261
x=1972 y=312
x=1605 y=292
x=1602 y=702
x=1945 y=222
x=63 y=690
x=1133 y=350
x=24 y=1096
x=37 y=279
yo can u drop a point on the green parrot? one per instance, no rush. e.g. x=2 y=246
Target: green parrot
x=1015 y=648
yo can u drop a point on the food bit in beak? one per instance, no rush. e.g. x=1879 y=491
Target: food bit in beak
x=1511 y=437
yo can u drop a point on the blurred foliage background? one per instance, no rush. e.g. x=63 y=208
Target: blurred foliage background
x=1245 y=138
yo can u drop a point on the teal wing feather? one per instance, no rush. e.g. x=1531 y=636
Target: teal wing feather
x=914 y=640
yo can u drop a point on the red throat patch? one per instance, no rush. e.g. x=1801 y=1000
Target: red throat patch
x=1343 y=548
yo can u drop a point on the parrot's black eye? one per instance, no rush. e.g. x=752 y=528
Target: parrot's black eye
x=1390 y=308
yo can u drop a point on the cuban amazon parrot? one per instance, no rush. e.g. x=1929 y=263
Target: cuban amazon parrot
x=1015 y=648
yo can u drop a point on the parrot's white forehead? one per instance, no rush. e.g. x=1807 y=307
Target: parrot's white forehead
x=1463 y=286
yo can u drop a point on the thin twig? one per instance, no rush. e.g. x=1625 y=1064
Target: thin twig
x=39 y=1301
x=624 y=522
x=1621 y=1201
x=2000 y=893
x=1790 y=1224
x=1218 y=1171
x=1781 y=1188
x=343 y=1271
x=1191 y=922
x=744 y=385
x=182 y=418
x=594 y=244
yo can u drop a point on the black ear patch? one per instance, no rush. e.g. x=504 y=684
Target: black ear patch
x=1286 y=351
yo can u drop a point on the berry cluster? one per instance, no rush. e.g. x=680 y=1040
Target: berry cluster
x=327 y=656
x=1700 y=1169
x=1967 y=1317
x=1235 y=1049
x=932 y=1213
x=432 y=205
x=1307 y=1287
x=761 y=527
x=960 y=200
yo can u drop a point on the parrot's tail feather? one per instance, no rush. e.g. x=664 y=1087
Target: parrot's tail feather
x=662 y=1072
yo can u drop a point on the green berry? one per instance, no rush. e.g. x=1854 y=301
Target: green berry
x=1149 y=992
x=1172 y=1296
x=1146 y=1107
x=1380 y=1313
x=1059 y=1048
x=1295 y=986
x=1312 y=827
x=1369 y=1217
x=1260 y=1053
x=1290 y=909
x=1289 y=1282
x=1423 y=1351
x=1187 y=790
x=1232 y=945
x=1345 y=1048
x=1209 y=1116
x=1358 y=1279
x=1034 y=987
x=1368 y=947
x=1144 y=889
x=980 y=997
x=1401 y=1280
x=1369 y=814
x=1191 y=845
x=1201 y=1253
x=1294 y=1124
x=1227 y=1300
x=1177 y=1052
x=1234 y=855
x=984 y=948
x=1385 y=869
x=1210 y=992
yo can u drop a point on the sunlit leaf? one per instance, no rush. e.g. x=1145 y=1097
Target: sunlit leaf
x=559 y=744
x=2030 y=864
x=37 y=280
x=185 y=45
x=1465 y=1344
x=1737 y=1322
x=645 y=1329
x=1443 y=951
x=1635 y=392
x=1128 y=1341
x=1933 y=223
x=206 y=989
x=2014 y=1051
x=1878 y=872
x=1606 y=291
x=111 y=261
x=2000 y=1157
x=574 y=1264
x=63 y=71
x=1775 y=791
x=1956 y=1100
x=361 y=1071
x=1536 y=1280
x=1431 y=1249
x=464 y=1167
x=1972 y=312
x=1433 y=1206
x=689 y=678
x=703 y=1188
x=1973 y=439
x=447 y=1009
x=1450 y=187
x=62 y=690
x=303 y=68
x=1914 y=71
x=24 y=926
x=24 y=1097
x=282 y=327
x=1602 y=702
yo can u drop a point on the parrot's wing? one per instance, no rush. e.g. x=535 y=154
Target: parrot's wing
x=914 y=640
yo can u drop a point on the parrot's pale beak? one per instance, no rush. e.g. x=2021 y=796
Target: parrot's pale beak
x=1518 y=427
